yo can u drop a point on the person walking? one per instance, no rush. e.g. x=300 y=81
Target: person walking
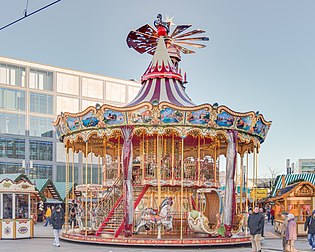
x=272 y=215
x=309 y=226
x=47 y=216
x=291 y=235
x=57 y=220
x=255 y=225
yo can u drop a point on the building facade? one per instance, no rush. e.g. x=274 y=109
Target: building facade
x=31 y=96
x=305 y=165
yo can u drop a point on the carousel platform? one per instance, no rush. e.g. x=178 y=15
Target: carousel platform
x=152 y=241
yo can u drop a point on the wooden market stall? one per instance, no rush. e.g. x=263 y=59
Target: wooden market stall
x=298 y=199
x=18 y=206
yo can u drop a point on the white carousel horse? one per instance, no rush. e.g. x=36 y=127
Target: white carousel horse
x=79 y=216
x=164 y=218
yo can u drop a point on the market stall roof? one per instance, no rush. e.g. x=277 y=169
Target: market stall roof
x=61 y=188
x=14 y=177
x=286 y=191
x=42 y=184
x=290 y=178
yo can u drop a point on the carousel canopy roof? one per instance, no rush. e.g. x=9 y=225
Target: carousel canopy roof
x=162 y=105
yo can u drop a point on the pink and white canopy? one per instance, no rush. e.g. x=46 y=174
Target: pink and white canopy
x=162 y=81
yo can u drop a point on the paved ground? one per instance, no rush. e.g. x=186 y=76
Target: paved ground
x=44 y=239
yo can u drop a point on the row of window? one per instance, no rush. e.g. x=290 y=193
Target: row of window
x=36 y=172
x=15 y=148
x=15 y=76
x=15 y=124
x=42 y=103
x=61 y=174
x=66 y=83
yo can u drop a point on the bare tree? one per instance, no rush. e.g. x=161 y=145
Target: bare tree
x=270 y=177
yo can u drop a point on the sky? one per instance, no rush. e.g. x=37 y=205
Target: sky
x=260 y=57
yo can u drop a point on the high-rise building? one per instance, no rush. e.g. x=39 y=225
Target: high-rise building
x=305 y=165
x=31 y=97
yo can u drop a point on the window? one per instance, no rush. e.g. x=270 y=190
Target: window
x=21 y=206
x=41 y=150
x=61 y=173
x=132 y=92
x=12 y=148
x=12 y=99
x=41 y=103
x=41 y=80
x=7 y=206
x=92 y=88
x=12 y=75
x=66 y=104
x=68 y=84
x=8 y=168
x=94 y=174
x=12 y=124
x=41 y=127
x=115 y=92
x=41 y=172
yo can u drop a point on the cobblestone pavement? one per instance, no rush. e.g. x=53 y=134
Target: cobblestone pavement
x=44 y=239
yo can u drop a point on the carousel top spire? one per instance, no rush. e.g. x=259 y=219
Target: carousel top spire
x=162 y=81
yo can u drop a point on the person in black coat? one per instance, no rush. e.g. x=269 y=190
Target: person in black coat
x=309 y=226
x=57 y=220
x=255 y=225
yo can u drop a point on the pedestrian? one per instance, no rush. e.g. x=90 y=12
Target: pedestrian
x=272 y=215
x=57 y=220
x=73 y=215
x=291 y=235
x=255 y=225
x=261 y=210
x=47 y=216
x=268 y=214
x=309 y=226
x=284 y=216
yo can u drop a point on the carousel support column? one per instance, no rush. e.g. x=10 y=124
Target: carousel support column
x=104 y=162
x=29 y=206
x=67 y=191
x=86 y=188
x=254 y=179
x=198 y=160
x=173 y=157
x=142 y=161
x=215 y=164
x=229 y=198
x=246 y=187
x=182 y=189
x=127 y=157
x=256 y=172
x=98 y=169
x=241 y=183
x=159 y=153
x=118 y=157
x=236 y=184
x=91 y=191
x=73 y=173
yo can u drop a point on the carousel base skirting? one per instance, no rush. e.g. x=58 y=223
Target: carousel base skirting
x=152 y=241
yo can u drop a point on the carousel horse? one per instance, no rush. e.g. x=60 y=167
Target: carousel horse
x=79 y=216
x=150 y=217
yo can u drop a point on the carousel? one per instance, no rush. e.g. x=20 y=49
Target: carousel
x=158 y=157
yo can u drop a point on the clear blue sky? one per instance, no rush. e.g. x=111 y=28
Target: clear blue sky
x=261 y=55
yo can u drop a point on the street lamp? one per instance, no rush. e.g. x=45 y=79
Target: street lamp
x=27 y=166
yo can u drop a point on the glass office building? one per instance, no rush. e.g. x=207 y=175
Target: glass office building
x=31 y=96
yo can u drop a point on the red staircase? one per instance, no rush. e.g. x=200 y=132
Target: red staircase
x=114 y=222
x=142 y=191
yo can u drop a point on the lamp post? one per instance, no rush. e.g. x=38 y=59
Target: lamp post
x=27 y=166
